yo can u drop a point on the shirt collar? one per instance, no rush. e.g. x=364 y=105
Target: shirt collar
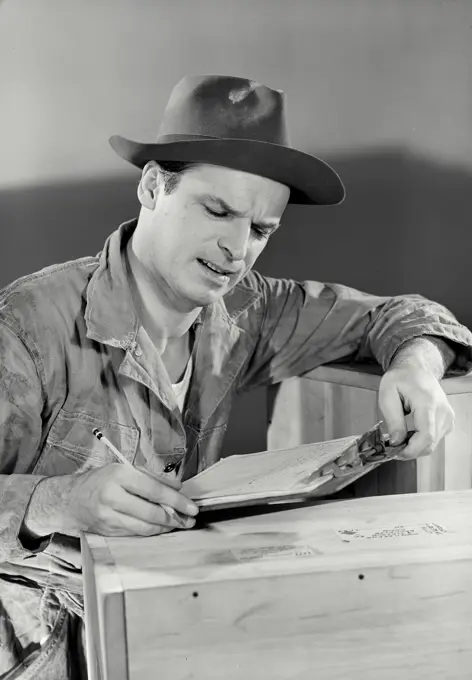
x=110 y=315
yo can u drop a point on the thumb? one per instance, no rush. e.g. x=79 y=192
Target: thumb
x=391 y=407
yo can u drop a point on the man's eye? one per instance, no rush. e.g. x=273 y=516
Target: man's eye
x=260 y=233
x=215 y=213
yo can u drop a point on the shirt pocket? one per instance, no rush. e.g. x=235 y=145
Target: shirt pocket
x=205 y=448
x=72 y=447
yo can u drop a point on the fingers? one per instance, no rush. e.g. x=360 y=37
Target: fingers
x=121 y=524
x=425 y=440
x=136 y=511
x=431 y=425
x=158 y=491
x=391 y=407
x=421 y=395
x=431 y=412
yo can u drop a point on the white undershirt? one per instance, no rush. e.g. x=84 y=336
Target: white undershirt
x=181 y=388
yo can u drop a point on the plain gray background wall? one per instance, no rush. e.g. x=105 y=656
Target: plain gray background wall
x=382 y=89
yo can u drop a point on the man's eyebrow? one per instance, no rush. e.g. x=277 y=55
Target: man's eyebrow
x=266 y=224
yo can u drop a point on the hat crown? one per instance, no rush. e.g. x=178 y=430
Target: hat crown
x=239 y=124
x=225 y=107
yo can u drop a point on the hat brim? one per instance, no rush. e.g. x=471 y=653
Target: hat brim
x=311 y=180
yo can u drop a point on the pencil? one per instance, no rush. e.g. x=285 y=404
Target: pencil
x=101 y=437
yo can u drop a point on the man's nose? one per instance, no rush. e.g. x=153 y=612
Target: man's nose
x=235 y=240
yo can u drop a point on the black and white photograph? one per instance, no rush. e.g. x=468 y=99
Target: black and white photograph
x=235 y=340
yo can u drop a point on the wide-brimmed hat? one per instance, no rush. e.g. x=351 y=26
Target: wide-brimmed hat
x=239 y=124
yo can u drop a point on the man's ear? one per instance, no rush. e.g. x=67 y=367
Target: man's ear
x=149 y=185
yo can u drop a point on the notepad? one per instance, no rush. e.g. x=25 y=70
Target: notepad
x=275 y=475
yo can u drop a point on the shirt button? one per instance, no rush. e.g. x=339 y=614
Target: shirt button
x=138 y=351
x=169 y=467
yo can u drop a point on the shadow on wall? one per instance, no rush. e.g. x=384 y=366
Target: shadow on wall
x=404 y=227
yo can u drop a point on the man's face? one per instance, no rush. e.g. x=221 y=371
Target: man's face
x=216 y=219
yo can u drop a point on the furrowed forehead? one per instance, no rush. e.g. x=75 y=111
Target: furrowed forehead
x=242 y=193
x=228 y=208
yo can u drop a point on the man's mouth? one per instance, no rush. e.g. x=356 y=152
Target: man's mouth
x=215 y=268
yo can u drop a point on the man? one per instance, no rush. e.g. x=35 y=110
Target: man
x=151 y=340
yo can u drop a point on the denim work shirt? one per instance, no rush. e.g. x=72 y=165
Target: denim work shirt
x=71 y=359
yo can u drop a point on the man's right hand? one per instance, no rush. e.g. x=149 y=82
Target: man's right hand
x=114 y=500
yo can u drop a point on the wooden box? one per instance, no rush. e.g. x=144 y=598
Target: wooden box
x=375 y=588
x=341 y=400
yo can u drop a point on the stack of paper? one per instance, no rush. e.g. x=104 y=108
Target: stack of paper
x=267 y=476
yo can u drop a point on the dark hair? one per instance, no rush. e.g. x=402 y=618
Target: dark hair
x=172 y=171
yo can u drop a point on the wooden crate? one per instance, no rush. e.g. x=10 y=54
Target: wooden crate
x=375 y=588
x=341 y=400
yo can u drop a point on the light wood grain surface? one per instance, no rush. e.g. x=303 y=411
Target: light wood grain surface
x=289 y=594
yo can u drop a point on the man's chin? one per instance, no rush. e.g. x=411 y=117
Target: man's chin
x=202 y=298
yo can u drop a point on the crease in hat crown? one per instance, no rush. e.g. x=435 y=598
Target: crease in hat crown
x=225 y=107
x=237 y=123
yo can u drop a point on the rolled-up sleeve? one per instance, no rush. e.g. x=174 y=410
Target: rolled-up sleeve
x=21 y=404
x=304 y=325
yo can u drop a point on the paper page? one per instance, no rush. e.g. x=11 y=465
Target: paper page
x=268 y=472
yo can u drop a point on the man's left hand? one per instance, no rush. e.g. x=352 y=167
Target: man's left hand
x=415 y=390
